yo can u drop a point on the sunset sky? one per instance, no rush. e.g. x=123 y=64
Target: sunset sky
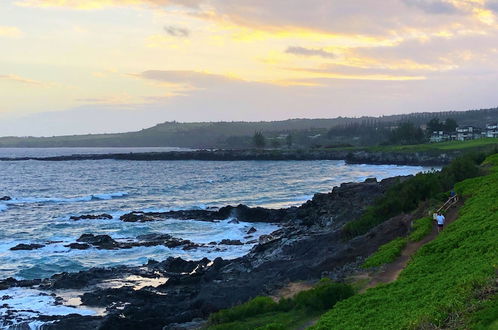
x=89 y=66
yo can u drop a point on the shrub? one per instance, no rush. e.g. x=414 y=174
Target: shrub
x=316 y=300
x=323 y=296
x=387 y=253
x=421 y=228
x=258 y=305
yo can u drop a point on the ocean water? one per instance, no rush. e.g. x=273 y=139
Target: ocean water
x=46 y=194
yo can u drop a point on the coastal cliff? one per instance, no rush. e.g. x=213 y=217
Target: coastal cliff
x=308 y=245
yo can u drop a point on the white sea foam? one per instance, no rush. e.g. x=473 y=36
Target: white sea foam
x=33 y=200
x=28 y=304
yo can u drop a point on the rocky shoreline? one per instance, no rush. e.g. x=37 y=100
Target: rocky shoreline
x=350 y=156
x=163 y=294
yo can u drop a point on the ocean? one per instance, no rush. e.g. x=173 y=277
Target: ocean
x=46 y=194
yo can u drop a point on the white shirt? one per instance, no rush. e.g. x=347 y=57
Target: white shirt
x=440 y=219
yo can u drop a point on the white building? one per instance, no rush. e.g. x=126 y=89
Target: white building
x=491 y=130
x=439 y=136
x=467 y=133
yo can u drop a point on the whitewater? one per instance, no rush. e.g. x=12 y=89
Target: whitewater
x=46 y=194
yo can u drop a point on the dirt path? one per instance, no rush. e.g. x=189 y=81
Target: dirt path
x=387 y=274
x=390 y=272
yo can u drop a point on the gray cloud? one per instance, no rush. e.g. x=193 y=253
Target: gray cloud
x=192 y=78
x=176 y=31
x=433 y=6
x=302 y=51
x=492 y=5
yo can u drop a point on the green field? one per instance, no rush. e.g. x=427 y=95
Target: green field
x=442 y=146
x=448 y=283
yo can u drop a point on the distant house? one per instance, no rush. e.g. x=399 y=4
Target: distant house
x=439 y=136
x=464 y=133
x=491 y=131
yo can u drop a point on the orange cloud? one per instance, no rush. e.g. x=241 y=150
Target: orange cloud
x=21 y=80
x=99 y=4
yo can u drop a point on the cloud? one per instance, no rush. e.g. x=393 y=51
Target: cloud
x=193 y=79
x=10 y=31
x=176 y=31
x=492 y=5
x=433 y=6
x=302 y=51
x=21 y=80
x=99 y=4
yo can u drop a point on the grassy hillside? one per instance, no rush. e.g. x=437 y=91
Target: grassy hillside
x=305 y=132
x=448 y=283
x=442 y=146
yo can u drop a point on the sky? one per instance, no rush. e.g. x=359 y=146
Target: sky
x=94 y=66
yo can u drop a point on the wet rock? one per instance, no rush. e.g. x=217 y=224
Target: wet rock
x=308 y=245
x=103 y=216
x=27 y=247
x=234 y=222
x=78 y=246
x=155 y=237
x=5 y=198
x=138 y=217
x=231 y=242
x=252 y=230
x=8 y=283
x=104 y=242
x=263 y=239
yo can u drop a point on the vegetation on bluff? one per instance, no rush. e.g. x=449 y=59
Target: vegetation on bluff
x=264 y=313
x=446 y=280
x=407 y=195
x=390 y=251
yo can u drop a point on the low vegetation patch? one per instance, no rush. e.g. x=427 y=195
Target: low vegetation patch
x=264 y=313
x=387 y=253
x=421 y=228
x=443 y=277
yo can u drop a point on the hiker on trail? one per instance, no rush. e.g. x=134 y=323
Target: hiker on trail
x=440 y=222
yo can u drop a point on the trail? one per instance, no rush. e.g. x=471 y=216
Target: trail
x=390 y=272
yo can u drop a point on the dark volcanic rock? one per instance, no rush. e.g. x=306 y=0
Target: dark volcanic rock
x=5 y=198
x=78 y=246
x=104 y=242
x=104 y=216
x=252 y=230
x=309 y=245
x=27 y=247
x=366 y=157
x=231 y=242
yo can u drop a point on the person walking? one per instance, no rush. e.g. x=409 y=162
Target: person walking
x=440 y=221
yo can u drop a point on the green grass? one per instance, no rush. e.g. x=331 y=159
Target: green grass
x=421 y=228
x=267 y=321
x=285 y=314
x=484 y=317
x=443 y=277
x=442 y=146
x=387 y=253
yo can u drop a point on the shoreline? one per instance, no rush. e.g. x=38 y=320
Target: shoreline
x=308 y=245
x=349 y=156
